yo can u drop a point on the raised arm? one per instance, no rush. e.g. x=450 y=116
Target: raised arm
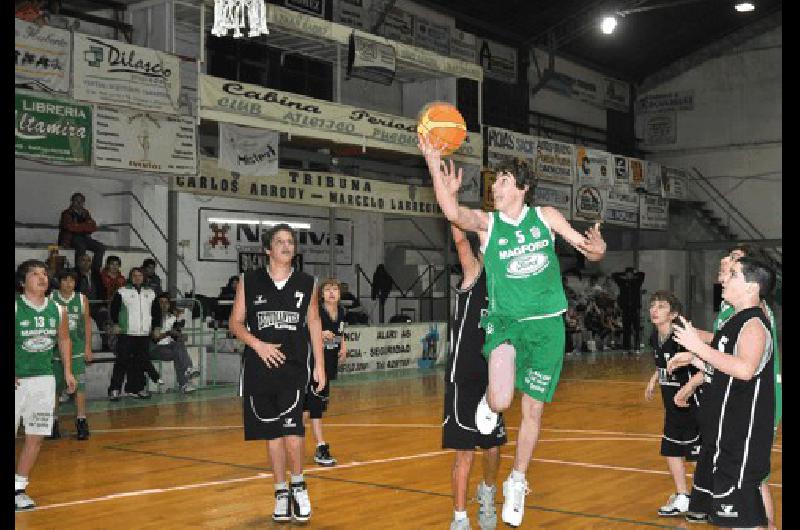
x=590 y=245
x=446 y=181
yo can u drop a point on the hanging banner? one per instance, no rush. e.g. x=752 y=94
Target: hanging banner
x=132 y=139
x=678 y=100
x=616 y=94
x=636 y=168
x=55 y=130
x=113 y=72
x=653 y=212
x=470 y=190
x=558 y=196
x=622 y=182
x=313 y=188
x=498 y=61
x=370 y=59
x=432 y=36
x=256 y=106
x=398 y=24
x=622 y=208
x=462 y=46
x=392 y=347
x=593 y=167
x=660 y=128
x=511 y=143
x=675 y=183
x=42 y=57
x=247 y=151
x=555 y=161
x=652 y=178
x=590 y=203
x=223 y=234
x=351 y=13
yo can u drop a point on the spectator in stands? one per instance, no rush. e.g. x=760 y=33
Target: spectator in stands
x=593 y=320
x=135 y=302
x=227 y=292
x=112 y=276
x=354 y=311
x=75 y=229
x=573 y=323
x=151 y=279
x=170 y=340
x=90 y=283
x=630 y=302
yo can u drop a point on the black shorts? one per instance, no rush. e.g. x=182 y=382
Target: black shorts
x=316 y=402
x=269 y=416
x=458 y=429
x=735 y=507
x=331 y=364
x=681 y=431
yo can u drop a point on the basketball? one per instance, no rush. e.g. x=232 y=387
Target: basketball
x=443 y=125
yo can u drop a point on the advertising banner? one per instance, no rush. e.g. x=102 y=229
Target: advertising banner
x=555 y=161
x=42 y=57
x=669 y=101
x=432 y=36
x=660 y=128
x=622 y=208
x=313 y=188
x=593 y=167
x=223 y=234
x=675 y=183
x=511 y=144
x=498 y=61
x=256 y=106
x=54 y=130
x=652 y=178
x=134 y=139
x=558 y=196
x=622 y=181
x=653 y=212
x=113 y=72
x=392 y=347
x=636 y=168
x=590 y=203
x=247 y=151
x=462 y=46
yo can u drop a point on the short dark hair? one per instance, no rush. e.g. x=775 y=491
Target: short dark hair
x=266 y=237
x=26 y=266
x=76 y=195
x=64 y=273
x=744 y=248
x=668 y=297
x=111 y=258
x=148 y=261
x=524 y=174
x=756 y=271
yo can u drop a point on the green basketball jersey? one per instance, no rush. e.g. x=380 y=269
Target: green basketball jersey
x=523 y=277
x=35 y=337
x=77 y=322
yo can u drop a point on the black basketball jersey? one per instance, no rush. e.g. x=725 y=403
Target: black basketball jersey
x=739 y=414
x=662 y=353
x=466 y=363
x=334 y=325
x=277 y=316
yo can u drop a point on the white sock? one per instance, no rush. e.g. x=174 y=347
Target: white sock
x=296 y=479
x=320 y=444
x=20 y=482
x=517 y=476
x=459 y=516
x=281 y=486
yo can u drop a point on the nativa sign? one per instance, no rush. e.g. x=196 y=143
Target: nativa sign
x=52 y=129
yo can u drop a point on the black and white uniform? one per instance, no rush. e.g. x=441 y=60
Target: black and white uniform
x=317 y=402
x=467 y=374
x=273 y=396
x=681 y=432
x=736 y=421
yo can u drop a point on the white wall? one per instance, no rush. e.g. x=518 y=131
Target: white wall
x=733 y=136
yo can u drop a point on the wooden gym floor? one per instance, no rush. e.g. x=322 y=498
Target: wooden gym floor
x=181 y=462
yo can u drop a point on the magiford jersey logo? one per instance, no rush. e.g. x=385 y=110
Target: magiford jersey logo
x=527 y=265
x=38 y=344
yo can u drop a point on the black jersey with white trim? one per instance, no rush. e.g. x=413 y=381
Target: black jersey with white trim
x=465 y=362
x=662 y=353
x=739 y=414
x=277 y=316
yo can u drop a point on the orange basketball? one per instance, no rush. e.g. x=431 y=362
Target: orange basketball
x=442 y=124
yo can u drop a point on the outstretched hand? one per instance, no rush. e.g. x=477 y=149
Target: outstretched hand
x=593 y=242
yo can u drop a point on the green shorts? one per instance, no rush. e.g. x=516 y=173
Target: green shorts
x=78 y=370
x=539 y=346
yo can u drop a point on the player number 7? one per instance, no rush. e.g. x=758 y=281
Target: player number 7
x=299 y=297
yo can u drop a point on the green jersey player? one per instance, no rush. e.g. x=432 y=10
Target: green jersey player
x=524 y=323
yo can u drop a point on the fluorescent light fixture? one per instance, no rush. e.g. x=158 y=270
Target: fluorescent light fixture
x=744 y=7
x=266 y=222
x=608 y=25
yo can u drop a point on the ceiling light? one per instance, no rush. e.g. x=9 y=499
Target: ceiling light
x=608 y=25
x=744 y=7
